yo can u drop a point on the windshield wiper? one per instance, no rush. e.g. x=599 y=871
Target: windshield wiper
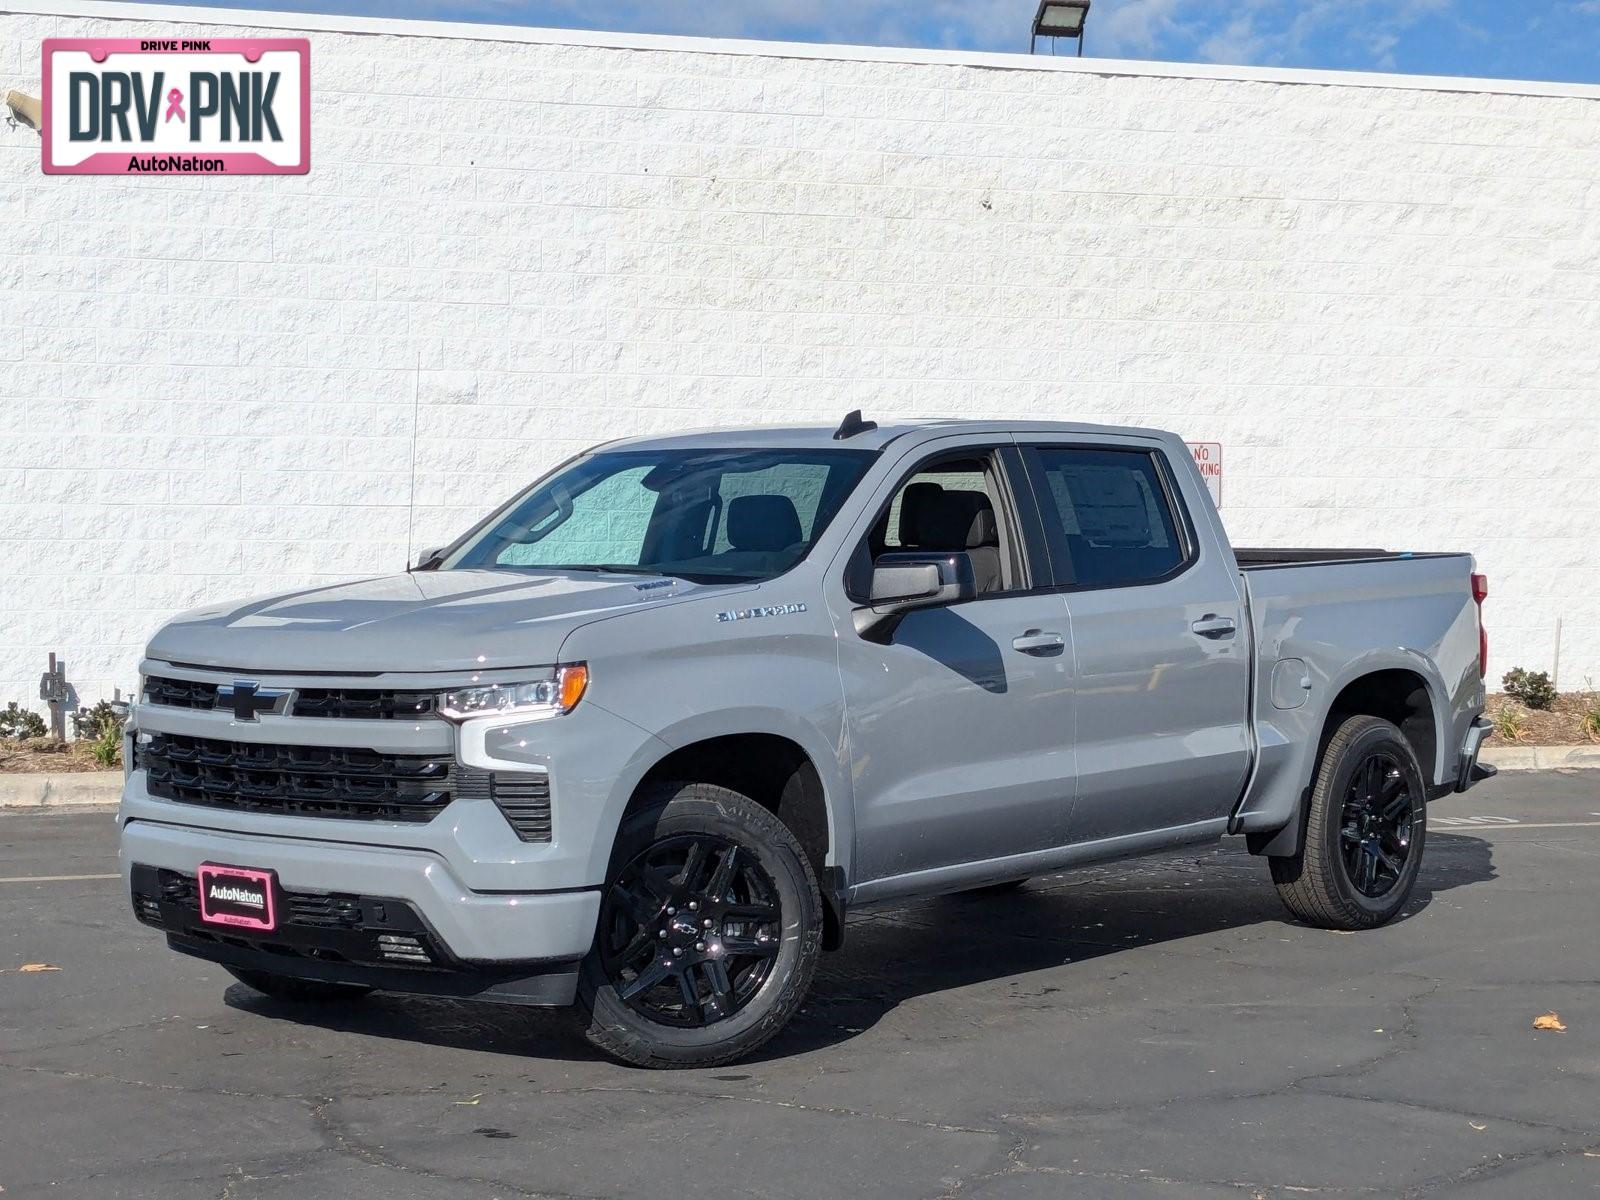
x=624 y=569
x=608 y=568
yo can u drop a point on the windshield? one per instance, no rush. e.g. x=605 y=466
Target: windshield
x=716 y=516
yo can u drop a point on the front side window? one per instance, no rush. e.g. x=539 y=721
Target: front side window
x=1107 y=515
x=950 y=505
x=721 y=516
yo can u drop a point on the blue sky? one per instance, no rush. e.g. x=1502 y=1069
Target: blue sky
x=1519 y=39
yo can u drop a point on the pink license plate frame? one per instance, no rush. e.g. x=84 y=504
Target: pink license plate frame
x=235 y=910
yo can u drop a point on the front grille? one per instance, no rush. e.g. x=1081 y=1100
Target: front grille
x=180 y=693
x=523 y=798
x=354 y=704
x=308 y=781
x=350 y=704
x=322 y=912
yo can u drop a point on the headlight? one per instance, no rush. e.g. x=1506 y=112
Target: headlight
x=542 y=698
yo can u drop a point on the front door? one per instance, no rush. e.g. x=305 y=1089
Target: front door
x=1161 y=652
x=960 y=724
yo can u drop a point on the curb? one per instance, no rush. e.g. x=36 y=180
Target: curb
x=1541 y=758
x=66 y=789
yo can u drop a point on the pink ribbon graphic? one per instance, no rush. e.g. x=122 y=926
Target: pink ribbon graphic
x=175 y=105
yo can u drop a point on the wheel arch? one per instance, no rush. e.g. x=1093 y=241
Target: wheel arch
x=1404 y=689
x=777 y=770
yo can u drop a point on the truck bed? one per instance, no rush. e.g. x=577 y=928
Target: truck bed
x=1322 y=617
x=1303 y=556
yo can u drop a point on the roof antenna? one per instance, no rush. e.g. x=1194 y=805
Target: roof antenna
x=852 y=425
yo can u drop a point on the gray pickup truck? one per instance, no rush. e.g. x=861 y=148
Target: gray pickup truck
x=641 y=738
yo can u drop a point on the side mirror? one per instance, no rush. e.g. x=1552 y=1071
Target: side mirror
x=428 y=559
x=910 y=580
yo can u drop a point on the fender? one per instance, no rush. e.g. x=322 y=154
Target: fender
x=1290 y=744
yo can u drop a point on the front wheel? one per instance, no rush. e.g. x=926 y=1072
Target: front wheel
x=710 y=929
x=1364 y=831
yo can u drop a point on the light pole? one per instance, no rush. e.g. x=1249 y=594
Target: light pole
x=1059 y=19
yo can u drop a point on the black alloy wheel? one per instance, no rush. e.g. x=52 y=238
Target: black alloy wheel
x=1365 y=825
x=1375 y=838
x=690 y=930
x=709 y=930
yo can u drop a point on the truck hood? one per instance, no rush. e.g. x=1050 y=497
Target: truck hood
x=426 y=621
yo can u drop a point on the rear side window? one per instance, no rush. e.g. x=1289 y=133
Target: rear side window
x=1108 y=516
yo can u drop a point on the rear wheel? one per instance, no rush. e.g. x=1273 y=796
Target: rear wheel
x=1365 y=830
x=298 y=991
x=710 y=929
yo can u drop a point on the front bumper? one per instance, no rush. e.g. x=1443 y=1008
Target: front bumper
x=483 y=938
x=377 y=942
x=1472 y=771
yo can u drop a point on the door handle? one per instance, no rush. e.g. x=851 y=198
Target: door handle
x=1037 y=641
x=1213 y=626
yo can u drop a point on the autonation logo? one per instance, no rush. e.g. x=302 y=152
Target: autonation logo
x=208 y=106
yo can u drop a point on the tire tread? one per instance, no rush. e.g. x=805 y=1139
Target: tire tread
x=1307 y=882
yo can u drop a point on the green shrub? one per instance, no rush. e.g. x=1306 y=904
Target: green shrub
x=19 y=723
x=1511 y=723
x=1590 y=723
x=92 y=723
x=107 y=748
x=1531 y=688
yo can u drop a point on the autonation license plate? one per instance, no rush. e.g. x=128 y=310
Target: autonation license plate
x=242 y=897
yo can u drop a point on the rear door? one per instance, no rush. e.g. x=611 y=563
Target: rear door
x=1160 y=650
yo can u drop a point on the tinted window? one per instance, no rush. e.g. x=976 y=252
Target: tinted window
x=1108 y=516
x=950 y=505
x=962 y=477
x=714 y=515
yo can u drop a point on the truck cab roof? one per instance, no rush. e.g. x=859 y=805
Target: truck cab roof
x=875 y=437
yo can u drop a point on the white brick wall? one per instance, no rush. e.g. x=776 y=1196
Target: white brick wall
x=1384 y=299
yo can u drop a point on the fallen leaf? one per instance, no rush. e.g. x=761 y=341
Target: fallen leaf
x=1549 y=1021
x=1480 y=1128
x=35 y=968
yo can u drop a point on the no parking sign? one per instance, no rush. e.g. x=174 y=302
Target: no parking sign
x=1208 y=457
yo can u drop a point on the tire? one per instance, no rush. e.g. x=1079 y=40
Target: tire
x=298 y=991
x=1366 y=827
x=748 y=971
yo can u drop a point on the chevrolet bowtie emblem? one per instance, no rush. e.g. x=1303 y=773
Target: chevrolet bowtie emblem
x=247 y=698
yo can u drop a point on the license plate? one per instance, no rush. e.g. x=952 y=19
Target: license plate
x=242 y=897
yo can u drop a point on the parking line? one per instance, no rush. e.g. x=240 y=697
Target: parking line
x=1498 y=828
x=68 y=878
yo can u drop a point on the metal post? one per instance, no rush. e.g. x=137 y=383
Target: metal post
x=1555 y=669
x=53 y=691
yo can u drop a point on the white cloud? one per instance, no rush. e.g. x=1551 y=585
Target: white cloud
x=1134 y=28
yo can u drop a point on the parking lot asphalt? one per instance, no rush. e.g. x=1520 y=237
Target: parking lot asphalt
x=1146 y=1029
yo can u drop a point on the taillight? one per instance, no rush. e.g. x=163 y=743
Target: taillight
x=1480 y=593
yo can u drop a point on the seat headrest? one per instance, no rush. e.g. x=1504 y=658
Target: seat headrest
x=762 y=523
x=915 y=502
x=955 y=521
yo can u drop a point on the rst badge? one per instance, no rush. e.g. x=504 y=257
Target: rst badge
x=206 y=106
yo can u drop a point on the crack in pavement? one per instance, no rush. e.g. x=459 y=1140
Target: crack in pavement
x=342 y=1141
x=1482 y=1170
